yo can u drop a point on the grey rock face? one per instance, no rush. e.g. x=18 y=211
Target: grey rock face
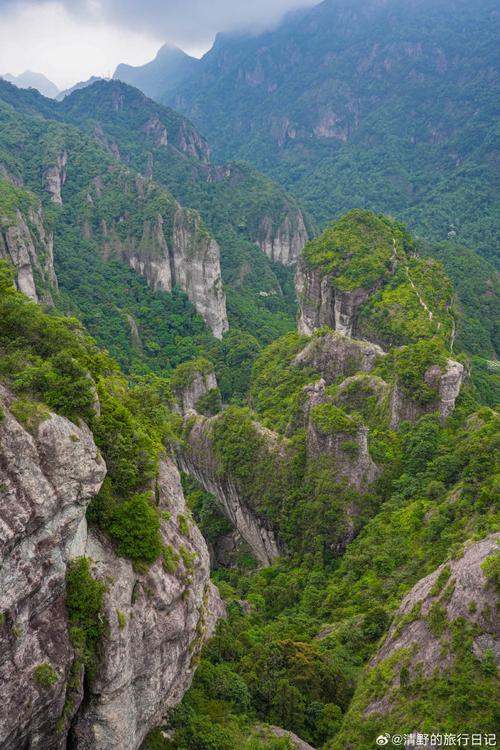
x=321 y=304
x=156 y=632
x=27 y=244
x=283 y=244
x=55 y=177
x=316 y=298
x=158 y=620
x=156 y=130
x=334 y=354
x=349 y=452
x=192 y=262
x=196 y=266
x=295 y=741
x=450 y=383
x=467 y=585
x=448 y=386
x=46 y=482
x=151 y=258
x=188 y=396
x=198 y=459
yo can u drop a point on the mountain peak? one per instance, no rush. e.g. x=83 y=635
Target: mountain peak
x=170 y=67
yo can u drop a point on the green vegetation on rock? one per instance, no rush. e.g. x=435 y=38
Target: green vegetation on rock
x=45 y=675
x=84 y=603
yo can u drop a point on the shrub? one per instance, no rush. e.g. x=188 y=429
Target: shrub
x=170 y=559
x=136 y=529
x=29 y=413
x=121 y=618
x=210 y=403
x=185 y=373
x=84 y=602
x=45 y=675
x=410 y=365
x=183 y=523
x=331 y=419
x=491 y=569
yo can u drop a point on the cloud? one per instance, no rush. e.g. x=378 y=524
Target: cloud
x=187 y=23
x=46 y=38
x=70 y=40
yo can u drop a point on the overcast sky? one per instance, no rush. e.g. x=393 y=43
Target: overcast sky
x=70 y=40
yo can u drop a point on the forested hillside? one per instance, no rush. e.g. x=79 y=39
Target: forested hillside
x=349 y=503
x=387 y=106
x=249 y=459
x=104 y=168
x=366 y=477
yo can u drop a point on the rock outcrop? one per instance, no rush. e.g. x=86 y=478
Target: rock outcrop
x=296 y=742
x=321 y=304
x=283 y=244
x=457 y=589
x=157 y=620
x=344 y=440
x=196 y=268
x=46 y=482
x=198 y=459
x=333 y=354
x=190 y=259
x=29 y=247
x=55 y=177
x=197 y=382
x=447 y=385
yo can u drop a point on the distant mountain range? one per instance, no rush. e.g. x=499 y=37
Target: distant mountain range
x=389 y=105
x=30 y=80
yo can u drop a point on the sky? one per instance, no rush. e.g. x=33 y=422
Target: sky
x=70 y=40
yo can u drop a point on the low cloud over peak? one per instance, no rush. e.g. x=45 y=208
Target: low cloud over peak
x=70 y=40
x=187 y=23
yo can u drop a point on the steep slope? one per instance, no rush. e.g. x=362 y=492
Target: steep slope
x=96 y=206
x=385 y=106
x=26 y=242
x=445 y=631
x=363 y=278
x=246 y=212
x=368 y=468
x=105 y=596
x=309 y=391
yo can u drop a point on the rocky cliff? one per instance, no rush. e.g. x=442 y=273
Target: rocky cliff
x=55 y=177
x=199 y=459
x=156 y=620
x=458 y=591
x=446 y=384
x=27 y=244
x=172 y=248
x=285 y=242
x=363 y=278
x=321 y=304
x=47 y=481
x=332 y=434
x=191 y=382
x=348 y=362
x=332 y=354
x=196 y=268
